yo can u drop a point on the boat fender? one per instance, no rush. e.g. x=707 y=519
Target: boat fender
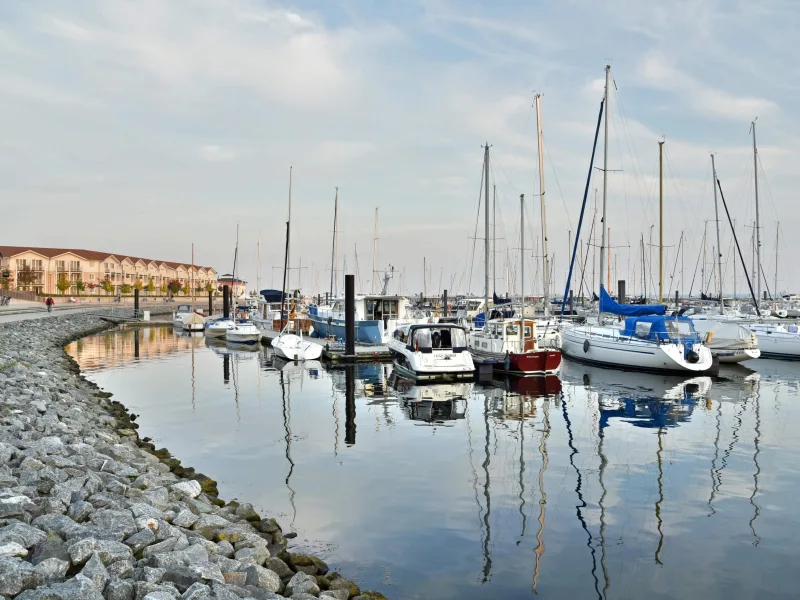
x=692 y=357
x=586 y=346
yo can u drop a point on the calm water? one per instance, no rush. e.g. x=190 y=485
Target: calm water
x=600 y=484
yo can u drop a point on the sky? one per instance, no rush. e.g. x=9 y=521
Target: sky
x=145 y=126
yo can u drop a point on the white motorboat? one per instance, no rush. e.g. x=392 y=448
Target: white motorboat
x=243 y=332
x=513 y=351
x=219 y=327
x=727 y=340
x=181 y=313
x=296 y=348
x=432 y=352
x=194 y=322
x=777 y=340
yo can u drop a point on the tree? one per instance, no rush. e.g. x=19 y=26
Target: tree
x=107 y=286
x=91 y=286
x=126 y=288
x=80 y=286
x=138 y=284
x=25 y=277
x=209 y=287
x=151 y=287
x=174 y=286
x=163 y=288
x=63 y=283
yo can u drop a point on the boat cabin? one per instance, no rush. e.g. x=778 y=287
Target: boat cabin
x=432 y=336
x=657 y=328
x=183 y=308
x=505 y=336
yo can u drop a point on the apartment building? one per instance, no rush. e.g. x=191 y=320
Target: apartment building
x=40 y=269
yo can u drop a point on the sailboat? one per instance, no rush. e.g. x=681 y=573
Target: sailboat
x=292 y=346
x=243 y=330
x=511 y=344
x=185 y=317
x=648 y=340
x=774 y=339
x=728 y=341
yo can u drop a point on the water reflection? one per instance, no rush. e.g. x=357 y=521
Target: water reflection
x=595 y=484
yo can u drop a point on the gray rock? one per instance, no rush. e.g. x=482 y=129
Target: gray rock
x=107 y=550
x=61 y=525
x=118 y=589
x=119 y=523
x=209 y=525
x=140 y=510
x=95 y=570
x=167 y=545
x=303 y=597
x=149 y=574
x=12 y=549
x=80 y=511
x=237 y=578
x=122 y=569
x=255 y=556
x=224 y=592
x=188 y=488
x=15 y=507
x=301 y=583
x=197 y=591
x=51 y=570
x=247 y=512
x=16 y=575
x=225 y=548
x=49 y=548
x=337 y=582
x=182 y=578
x=335 y=594
x=280 y=567
x=260 y=594
x=263 y=578
x=140 y=539
x=142 y=589
x=78 y=588
x=22 y=534
x=159 y=595
x=185 y=519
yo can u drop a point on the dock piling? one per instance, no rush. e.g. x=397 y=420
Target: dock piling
x=350 y=400
x=226 y=303
x=135 y=302
x=621 y=291
x=349 y=317
x=444 y=303
x=210 y=303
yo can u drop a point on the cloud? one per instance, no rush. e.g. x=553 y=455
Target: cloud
x=700 y=96
x=216 y=154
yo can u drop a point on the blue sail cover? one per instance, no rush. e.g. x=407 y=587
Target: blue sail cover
x=609 y=305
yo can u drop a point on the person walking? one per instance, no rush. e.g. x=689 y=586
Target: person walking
x=49 y=302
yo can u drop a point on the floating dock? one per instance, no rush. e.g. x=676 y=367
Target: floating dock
x=334 y=351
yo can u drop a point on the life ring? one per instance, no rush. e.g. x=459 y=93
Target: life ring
x=586 y=346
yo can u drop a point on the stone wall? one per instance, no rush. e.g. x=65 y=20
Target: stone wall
x=89 y=510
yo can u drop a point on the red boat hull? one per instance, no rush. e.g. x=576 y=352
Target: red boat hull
x=538 y=362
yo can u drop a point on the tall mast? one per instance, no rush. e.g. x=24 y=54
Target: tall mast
x=545 y=266
x=191 y=276
x=375 y=251
x=288 y=233
x=494 y=240
x=734 y=262
x=605 y=182
x=777 y=233
x=258 y=265
x=719 y=245
x=661 y=222
x=522 y=265
x=486 y=236
x=333 y=250
x=758 y=219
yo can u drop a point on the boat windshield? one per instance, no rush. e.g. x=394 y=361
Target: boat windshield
x=439 y=338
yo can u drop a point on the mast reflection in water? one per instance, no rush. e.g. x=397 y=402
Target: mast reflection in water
x=597 y=484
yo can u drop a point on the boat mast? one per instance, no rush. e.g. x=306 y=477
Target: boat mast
x=333 y=250
x=734 y=263
x=661 y=222
x=777 y=233
x=605 y=183
x=758 y=219
x=191 y=277
x=522 y=266
x=258 y=265
x=486 y=236
x=494 y=240
x=375 y=251
x=288 y=235
x=719 y=245
x=545 y=266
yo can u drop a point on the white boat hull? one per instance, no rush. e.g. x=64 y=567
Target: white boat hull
x=243 y=333
x=437 y=365
x=294 y=348
x=775 y=343
x=627 y=353
x=219 y=328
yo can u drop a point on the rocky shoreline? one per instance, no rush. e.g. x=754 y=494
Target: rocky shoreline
x=89 y=510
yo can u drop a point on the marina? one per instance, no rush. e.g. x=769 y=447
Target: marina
x=556 y=485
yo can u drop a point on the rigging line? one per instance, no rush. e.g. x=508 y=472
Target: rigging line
x=678 y=187
x=694 y=275
x=475 y=234
x=558 y=185
x=581 y=502
x=756 y=508
x=629 y=138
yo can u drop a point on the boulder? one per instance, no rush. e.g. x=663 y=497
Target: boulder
x=301 y=583
x=263 y=578
x=95 y=570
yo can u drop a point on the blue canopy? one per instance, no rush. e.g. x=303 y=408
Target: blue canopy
x=609 y=305
x=271 y=296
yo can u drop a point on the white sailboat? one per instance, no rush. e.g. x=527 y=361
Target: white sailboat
x=648 y=340
x=243 y=330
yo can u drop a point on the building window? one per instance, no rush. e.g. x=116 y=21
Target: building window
x=61 y=266
x=36 y=264
x=74 y=265
x=91 y=276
